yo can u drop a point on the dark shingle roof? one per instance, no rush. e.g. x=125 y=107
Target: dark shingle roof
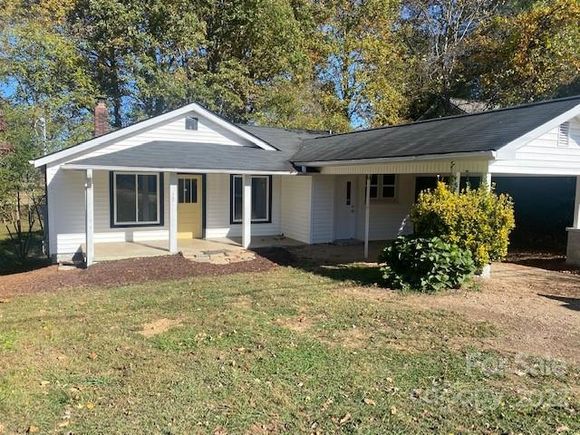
x=186 y=155
x=286 y=140
x=486 y=131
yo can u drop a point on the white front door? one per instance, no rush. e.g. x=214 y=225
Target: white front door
x=345 y=207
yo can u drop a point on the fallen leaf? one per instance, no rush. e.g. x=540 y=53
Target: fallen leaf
x=92 y=355
x=393 y=410
x=346 y=418
x=370 y=402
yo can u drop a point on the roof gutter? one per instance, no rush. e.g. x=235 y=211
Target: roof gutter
x=487 y=155
x=73 y=166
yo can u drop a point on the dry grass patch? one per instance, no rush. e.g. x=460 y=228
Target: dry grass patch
x=159 y=326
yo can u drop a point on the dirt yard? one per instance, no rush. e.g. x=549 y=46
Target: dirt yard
x=537 y=310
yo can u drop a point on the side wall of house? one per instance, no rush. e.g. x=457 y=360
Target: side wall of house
x=322 y=224
x=296 y=207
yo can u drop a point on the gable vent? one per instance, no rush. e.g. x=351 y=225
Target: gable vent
x=191 y=123
x=564 y=134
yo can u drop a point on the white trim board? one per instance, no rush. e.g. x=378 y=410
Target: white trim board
x=72 y=166
x=148 y=123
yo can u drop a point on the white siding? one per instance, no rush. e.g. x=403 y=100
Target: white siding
x=322 y=224
x=543 y=156
x=218 y=210
x=389 y=218
x=296 y=207
x=66 y=203
x=174 y=131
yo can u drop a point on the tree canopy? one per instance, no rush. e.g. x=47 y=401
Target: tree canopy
x=326 y=65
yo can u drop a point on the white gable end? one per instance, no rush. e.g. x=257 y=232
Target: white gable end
x=174 y=131
x=556 y=151
x=168 y=126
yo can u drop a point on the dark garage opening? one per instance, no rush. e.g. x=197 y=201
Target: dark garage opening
x=544 y=208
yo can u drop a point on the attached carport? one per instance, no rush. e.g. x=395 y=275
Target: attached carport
x=535 y=140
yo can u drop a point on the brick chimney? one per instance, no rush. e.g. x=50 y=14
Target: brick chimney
x=101 y=117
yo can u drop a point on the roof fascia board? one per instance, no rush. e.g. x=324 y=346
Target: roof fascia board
x=508 y=150
x=132 y=129
x=73 y=166
x=476 y=154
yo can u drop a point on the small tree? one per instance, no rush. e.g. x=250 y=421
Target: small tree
x=21 y=186
x=475 y=219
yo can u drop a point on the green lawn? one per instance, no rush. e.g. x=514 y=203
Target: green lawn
x=280 y=351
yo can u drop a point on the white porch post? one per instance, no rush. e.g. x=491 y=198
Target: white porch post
x=577 y=205
x=486 y=179
x=172 y=213
x=246 y=211
x=573 y=246
x=367 y=213
x=457 y=181
x=89 y=218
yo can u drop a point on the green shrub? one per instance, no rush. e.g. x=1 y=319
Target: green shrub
x=425 y=264
x=475 y=219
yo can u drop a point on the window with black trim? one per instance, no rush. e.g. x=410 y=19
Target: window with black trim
x=383 y=186
x=136 y=199
x=261 y=198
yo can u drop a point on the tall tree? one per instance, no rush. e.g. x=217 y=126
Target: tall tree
x=527 y=53
x=362 y=63
x=436 y=33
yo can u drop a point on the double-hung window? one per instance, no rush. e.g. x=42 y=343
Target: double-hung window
x=383 y=186
x=261 y=198
x=136 y=199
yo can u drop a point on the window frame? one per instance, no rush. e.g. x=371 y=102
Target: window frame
x=268 y=220
x=113 y=201
x=383 y=185
x=380 y=188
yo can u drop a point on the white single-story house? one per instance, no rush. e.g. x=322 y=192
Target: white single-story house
x=191 y=174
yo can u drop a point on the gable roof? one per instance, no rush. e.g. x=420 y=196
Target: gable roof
x=472 y=133
x=285 y=139
x=148 y=123
x=189 y=157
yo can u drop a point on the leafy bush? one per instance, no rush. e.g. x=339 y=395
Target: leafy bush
x=425 y=264
x=475 y=219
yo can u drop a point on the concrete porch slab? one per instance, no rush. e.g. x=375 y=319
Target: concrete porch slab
x=216 y=251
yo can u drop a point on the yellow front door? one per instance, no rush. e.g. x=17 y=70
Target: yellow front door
x=189 y=206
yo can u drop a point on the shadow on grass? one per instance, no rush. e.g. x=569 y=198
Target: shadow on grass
x=9 y=261
x=358 y=273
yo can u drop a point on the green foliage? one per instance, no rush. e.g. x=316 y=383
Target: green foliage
x=527 y=54
x=475 y=219
x=425 y=264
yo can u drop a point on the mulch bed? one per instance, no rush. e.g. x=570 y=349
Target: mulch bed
x=122 y=272
x=542 y=260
